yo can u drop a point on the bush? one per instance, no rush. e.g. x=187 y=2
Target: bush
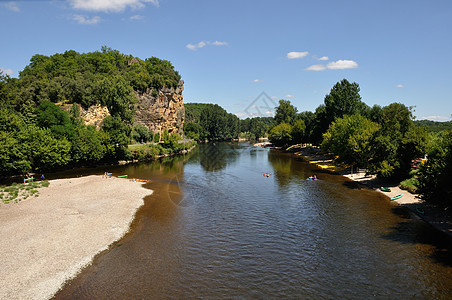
x=410 y=185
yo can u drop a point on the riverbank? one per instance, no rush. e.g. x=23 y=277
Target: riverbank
x=438 y=217
x=47 y=240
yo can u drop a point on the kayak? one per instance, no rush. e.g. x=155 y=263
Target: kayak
x=397 y=197
x=385 y=189
x=123 y=176
x=140 y=180
x=420 y=210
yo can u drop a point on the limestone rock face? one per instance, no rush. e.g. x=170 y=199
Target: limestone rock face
x=161 y=111
x=158 y=111
x=94 y=115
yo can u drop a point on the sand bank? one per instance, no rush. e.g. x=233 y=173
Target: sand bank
x=374 y=183
x=47 y=240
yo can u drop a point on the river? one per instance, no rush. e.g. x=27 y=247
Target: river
x=216 y=228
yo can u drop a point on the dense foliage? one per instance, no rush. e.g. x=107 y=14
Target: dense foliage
x=350 y=138
x=211 y=122
x=433 y=126
x=435 y=175
x=37 y=134
x=384 y=140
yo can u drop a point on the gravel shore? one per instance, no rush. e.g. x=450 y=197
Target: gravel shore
x=49 y=239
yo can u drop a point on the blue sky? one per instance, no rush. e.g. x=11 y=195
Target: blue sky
x=229 y=52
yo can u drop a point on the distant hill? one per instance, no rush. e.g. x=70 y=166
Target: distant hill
x=434 y=126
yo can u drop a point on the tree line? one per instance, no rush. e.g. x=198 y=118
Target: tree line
x=37 y=135
x=211 y=122
x=384 y=140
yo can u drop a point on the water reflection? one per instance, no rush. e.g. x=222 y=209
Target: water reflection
x=287 y=168
x=214 y=157
x=216 y=228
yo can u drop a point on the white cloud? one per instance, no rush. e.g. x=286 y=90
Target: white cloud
x=293 y=54
x=400 y=86
x=256 y=80
x=86 y=20
x=137 y=17
x=243 y=115
x=110 y=5
x=290 y=96
x=323 y=58
x=342 y=64
x=316 y=68
x=218 y=43
x=8 y=72
x=436 y=118
x=196 y=46
x=205 y=43
x=274 y=97
x=12 y=6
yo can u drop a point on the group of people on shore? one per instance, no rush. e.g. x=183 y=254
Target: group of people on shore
x=29 y=177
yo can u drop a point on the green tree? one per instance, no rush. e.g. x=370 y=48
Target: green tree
x=119 y=133
x=44 y=151
x=89 y=145
x=5 y=93
x=280 y=135
x=343 y=99
x=117 y=95
x=141 y=134
x=308 y=118
x=213 y=120
x=297 y=132
x=48 y=115
x=351 y=139
x=434 y=175
x=285 y=112
x=193 y=131
x=397 y=142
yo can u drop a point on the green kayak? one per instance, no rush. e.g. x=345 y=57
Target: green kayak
x=397 y=197
x=123 y=176
x=420 y=210
x=385 y=189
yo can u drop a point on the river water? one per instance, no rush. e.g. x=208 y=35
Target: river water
x=216 y=228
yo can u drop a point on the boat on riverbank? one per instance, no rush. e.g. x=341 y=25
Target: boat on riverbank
x=385 y=189
x=396 y=197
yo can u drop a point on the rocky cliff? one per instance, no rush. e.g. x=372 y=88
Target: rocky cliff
x=161 y=111
x=158 y=111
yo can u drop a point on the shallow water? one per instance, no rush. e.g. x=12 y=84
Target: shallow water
x=215 y=227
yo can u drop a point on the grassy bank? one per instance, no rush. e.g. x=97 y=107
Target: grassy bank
x=142 y=152
x=20 y=191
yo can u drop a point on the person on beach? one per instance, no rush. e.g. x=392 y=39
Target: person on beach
x=314 y=177
x=42 y=177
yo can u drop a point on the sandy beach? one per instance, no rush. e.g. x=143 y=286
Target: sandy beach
x=47 y=240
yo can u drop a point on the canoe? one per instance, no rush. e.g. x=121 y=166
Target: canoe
x=140 y=180
x=420 y=210
x=123 y=176
x=397 y=197
x=385 y=189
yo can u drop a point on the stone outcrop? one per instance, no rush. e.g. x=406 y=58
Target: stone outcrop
x=161 y=111
x=158 y=111
x=94 y=115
